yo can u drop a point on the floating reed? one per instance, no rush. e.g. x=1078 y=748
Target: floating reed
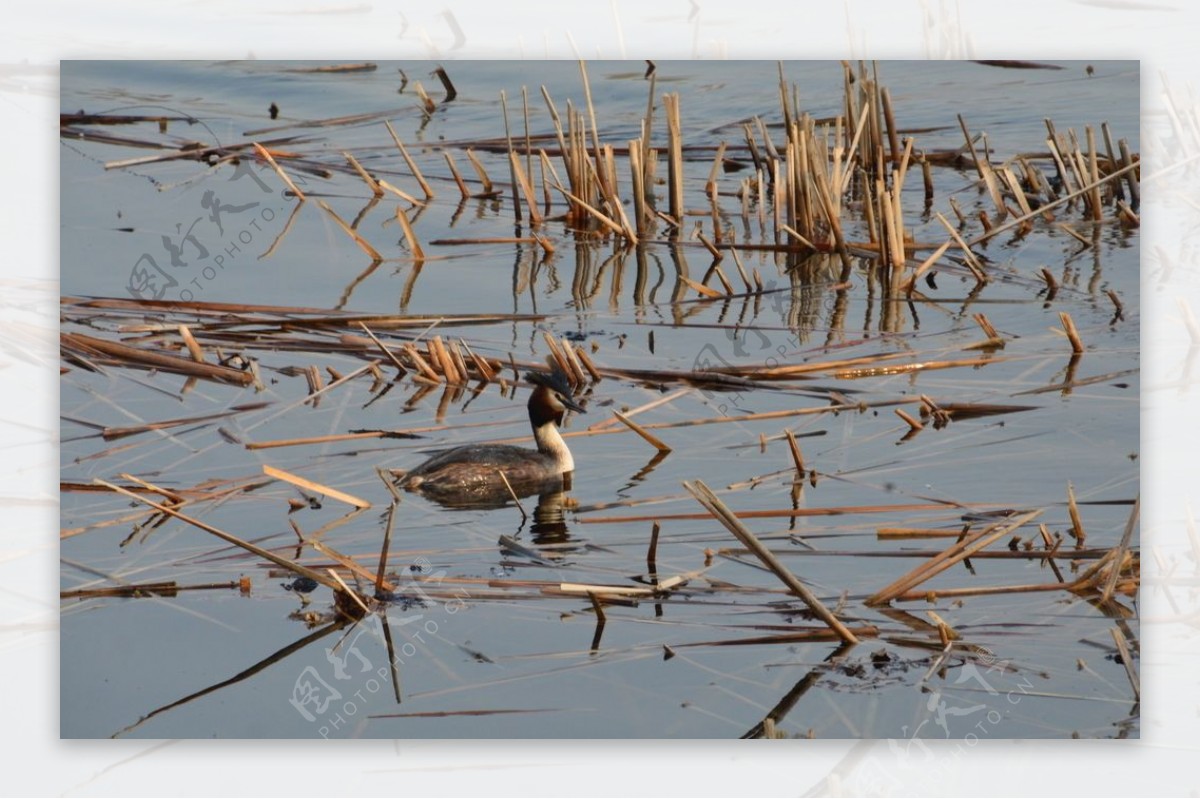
x=317 y=488
x=265 y=154
x=957 y=552
x=652 y=439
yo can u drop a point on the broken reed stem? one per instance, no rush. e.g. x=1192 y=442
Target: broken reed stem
x=972 y=262
x=674 y=158
x=654 y=440
x=266 y=155
x=412 y=165
x=372 y=184
x=796 y=456
x=953 y=554
x=413 y=245
x=652 y=550
x=1072 y=334
x=913 y=423
x=383 y=348
x=363 y=244
x=387 y=541
x=462 y=186
x=723 y=514
x=1077 y=530
x=193 y=347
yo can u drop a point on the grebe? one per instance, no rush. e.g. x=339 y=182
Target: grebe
x=469 y=476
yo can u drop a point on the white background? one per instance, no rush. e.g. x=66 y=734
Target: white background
x=1161 y=34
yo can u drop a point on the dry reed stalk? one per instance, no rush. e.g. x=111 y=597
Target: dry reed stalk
x=702 y=289
x=887 y=533
x=524 y=181
x=578 y=378
x=798 y=237
x=266 y=156
x=410 y=236
x=1072 y=333
x=293 y=442
x=925 y=266
x=637 y=180
x=315 y=384
x=372 y=184
x=511 y=493
x=1131 y=178
x=1051 y=283
x=989 y=590
x=449 y=369
x=972 y=262
x=462 y=186
x=363 y=244
x=1094 y=170
x=611 y=422
x=387 y=536
x=266 y=554
x=600 y=217
x=912 y=422
x=486 y=373
x=126 y=355
x=1127 y=214
x=350 y=565
x=560 y=360
x=193 y=347
x=1077 y=531
x=403 y=195
x=906 y=368
x=723 y=514
x=314 y=487
x=422 y=365
x=674 y=157
x=737 y=260
x=484 y=180
x=1014 y=186
x=1079 y=237
x=586 y=360
x=1127 y=661
x=953 y=554
x=786 y=513
x=460 y=364
x=652 y=550
x=797 y=458
x=167 y=588
x=412 y=165
x=652 y=439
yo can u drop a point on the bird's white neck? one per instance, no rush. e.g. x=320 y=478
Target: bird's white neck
x=550 y=442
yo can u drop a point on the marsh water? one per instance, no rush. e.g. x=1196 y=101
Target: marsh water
x=486 y=638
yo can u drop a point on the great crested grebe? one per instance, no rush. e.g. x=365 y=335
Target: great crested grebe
x=470 y=475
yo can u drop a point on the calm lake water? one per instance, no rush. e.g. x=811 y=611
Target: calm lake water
x=495 y=649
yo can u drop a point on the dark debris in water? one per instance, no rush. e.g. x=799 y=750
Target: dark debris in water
x=301 y=585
